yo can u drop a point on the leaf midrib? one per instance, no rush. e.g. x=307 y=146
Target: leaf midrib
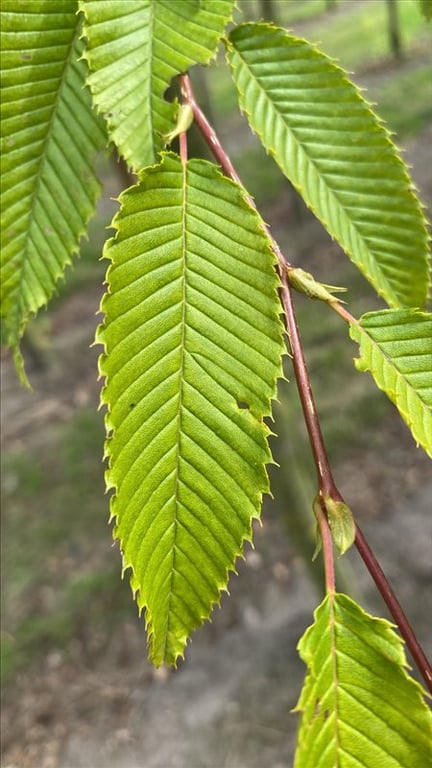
x=333 y=640
x=180 y=403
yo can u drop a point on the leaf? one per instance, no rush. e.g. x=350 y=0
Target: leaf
x=359 y=707
x=135 y=48
x=304 y=282
x=341 y=523
x=337 y=154
x=50 y=139
x=396 y=347
x=184 y=121
x=192 y=342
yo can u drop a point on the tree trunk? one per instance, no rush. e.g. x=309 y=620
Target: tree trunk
x=394 y=33
x=268 y=10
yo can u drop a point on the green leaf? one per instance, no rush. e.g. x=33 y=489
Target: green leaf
x=341 y=523
x=396 y=347
x=135 y=48
x=338 y=155
x=193 y=341
x=360 y=708
x=185 y=119
x=49 y=141
x=304 y=282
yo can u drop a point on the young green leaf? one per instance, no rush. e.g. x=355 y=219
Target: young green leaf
x=134 y=49
x=396 y=347
x=193 y=342
x=184 y=121
x=338 y=155
x=359 y=707
x=50 y=138
x=304 y=282
x=341 y=522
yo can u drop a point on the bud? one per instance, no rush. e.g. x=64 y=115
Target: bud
x=341 y=523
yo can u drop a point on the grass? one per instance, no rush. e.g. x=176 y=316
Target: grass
x=297 y=11
x=287 y=11
x=413 y=90
x=61 y=576
x=355 y=34
x=82 y=605
x=361 y=37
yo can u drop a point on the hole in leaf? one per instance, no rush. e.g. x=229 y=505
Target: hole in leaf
x=243 y=405
x=172 y=92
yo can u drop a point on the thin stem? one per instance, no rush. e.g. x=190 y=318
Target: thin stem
x=325 y=479
x=327 y=485
x=343 y=313
x=394 y=607
x=183 y=147
x=327 y=545
x=206 y=129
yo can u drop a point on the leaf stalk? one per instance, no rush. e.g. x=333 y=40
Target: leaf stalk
x=327 y=544
x=183 y=147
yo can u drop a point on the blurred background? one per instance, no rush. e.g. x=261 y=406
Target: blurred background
x=77 y=689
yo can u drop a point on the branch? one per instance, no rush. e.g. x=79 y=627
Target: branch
x=327 y=486
x=325 y=479
x=394 y=607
